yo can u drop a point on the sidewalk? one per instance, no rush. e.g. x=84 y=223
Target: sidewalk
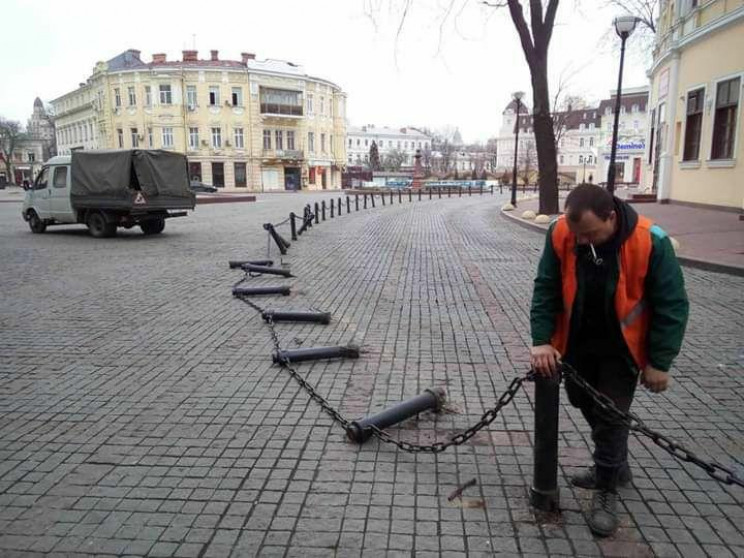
x=708 y=238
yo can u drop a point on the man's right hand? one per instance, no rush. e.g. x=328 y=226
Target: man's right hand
x=544 y=360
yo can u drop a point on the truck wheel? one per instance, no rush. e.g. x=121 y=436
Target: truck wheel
x=35 y=223
x=153 y=226
x=98 y=226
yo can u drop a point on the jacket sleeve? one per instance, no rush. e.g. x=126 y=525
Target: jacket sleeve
x=665 y=292
x=546 y=296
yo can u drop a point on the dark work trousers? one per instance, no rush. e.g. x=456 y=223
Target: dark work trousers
x=612 y=376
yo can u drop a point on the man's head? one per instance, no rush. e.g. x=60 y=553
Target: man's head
x=590 y=214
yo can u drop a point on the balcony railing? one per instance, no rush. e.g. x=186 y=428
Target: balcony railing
x=284 y=154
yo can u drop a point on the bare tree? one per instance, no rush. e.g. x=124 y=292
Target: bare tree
x=374 y=157
x=11 y=136
x=394 y=159
x=527 y=160
x=647 y=12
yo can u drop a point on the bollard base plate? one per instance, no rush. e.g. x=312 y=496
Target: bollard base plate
x=545 y=500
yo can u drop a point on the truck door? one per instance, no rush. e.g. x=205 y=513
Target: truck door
x=41 y=195
x=60 y=195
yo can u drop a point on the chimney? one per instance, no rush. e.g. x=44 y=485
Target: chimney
x=247 y=56
x=190 y=55
x=214 y=54
x=158 y=58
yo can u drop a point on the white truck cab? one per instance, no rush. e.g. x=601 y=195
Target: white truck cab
x=48 y=198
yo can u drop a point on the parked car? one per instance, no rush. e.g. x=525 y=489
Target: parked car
x=200 y=188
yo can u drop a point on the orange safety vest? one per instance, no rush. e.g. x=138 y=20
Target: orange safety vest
x=630 y=306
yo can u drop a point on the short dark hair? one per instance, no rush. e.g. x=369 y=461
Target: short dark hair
x=589 y=197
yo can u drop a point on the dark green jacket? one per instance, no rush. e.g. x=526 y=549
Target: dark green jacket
x=665 y=295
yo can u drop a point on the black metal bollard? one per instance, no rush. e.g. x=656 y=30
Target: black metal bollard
x=241 y=290
x=501 y=188
x=339 y=207
x=281 y=316
x=317 y=213
x=470 y=191
x=492 y=189
x=293 y=225
x=310 y=216
x=315 y=353
x=419 y=194
x=333 y=207
x=459 y=191
x=356 y=202
x=372 y=196
x=280 y=242
x=237 y=264
x=544 y=491
x=322 y=210
x=348 y=205
x=449 y=191
x=481 y=189
x=433 y=399
x=365 y=201
x=430 y=192
x=382 y=197
x=400 y=195
x=391 y=197
x=439 y=192
x=252 y=268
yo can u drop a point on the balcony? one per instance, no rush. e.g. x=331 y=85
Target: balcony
x=284 y=154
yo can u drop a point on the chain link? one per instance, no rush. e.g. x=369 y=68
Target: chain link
x=486 y=419
x=634 y=423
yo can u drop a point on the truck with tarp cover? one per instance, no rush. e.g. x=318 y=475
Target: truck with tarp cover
x=108 y=189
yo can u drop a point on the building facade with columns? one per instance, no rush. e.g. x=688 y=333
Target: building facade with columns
x=259 y=125
x=405 y=140
x=695 y=147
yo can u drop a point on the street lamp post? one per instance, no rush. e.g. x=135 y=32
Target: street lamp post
x=517 y=97
x=624 y=26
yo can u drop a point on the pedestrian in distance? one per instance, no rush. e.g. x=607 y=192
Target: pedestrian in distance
x=609 y=300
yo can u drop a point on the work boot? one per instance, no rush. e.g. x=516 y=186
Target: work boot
x=588 y=478
x=603 y=519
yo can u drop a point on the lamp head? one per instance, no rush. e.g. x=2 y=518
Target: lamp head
x=518 y=95
x=625 y=25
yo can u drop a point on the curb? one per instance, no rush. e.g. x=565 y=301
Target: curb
x=234 y=198
x=686 y=261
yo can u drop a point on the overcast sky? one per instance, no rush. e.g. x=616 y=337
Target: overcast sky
x=456 y=70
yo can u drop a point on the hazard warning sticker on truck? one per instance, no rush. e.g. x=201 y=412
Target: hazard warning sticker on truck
x=140 y=199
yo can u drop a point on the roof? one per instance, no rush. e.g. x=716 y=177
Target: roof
x=371 y=130
x=127 y=60
x=38 y=103
x=523 y=109
x=627 y=101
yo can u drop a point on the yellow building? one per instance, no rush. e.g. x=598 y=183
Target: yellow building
x=248 y=124
x=695 y=152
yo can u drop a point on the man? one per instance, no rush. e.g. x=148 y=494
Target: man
x=609 y=299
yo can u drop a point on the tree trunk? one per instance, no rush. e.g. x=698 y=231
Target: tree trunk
x=544 y=136
x=9 y=171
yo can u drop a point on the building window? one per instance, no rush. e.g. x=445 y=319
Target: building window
x=191 y=96
x=399 y=145
x=322 y=143
x=622 y=109
x=366 y=143
x=279 y=139
x=322 y=105
x=591 y=126
x=193 y=138
x=311 y=142
x=359 y=142
x=281 y=101
x=724 y=124
x=240 y=176
x=591 y=142
x=309 y=104
x=117 y=97
x=693 y=125
x=31 y=156
x=290 y=139
x=349 y=142
x=216 y=138
x=135 y=137
x=581 y=127
x=239 y=143
x=148 y=96
x=581 y=142
x=237 y=96
x=382 y=143
x=330 y=142
x=120 y=137
x=562 y=159
x=168 y=136
x=214 y=96
x=132 y=96
x=166 y=97
x=149 y=137
x=218 y=175
x=267 y=139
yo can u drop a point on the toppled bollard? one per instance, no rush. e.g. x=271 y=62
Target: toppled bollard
x=315 y=353
x=432 y=399
x=286 y=316
x=280 y=242
x=237 y=264
x=253 y=268
x=248 y=291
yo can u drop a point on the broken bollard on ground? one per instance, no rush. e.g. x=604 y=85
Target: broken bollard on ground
x=432 y=399
x=237 y=264
x=240 y=290
x=315 y=353
x=288 y=316
x=253 y=268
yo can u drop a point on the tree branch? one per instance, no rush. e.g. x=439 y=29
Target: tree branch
x=517 y=15
x=550 y=21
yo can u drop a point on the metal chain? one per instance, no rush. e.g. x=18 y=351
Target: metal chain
x=486 y=419
x=634 y=423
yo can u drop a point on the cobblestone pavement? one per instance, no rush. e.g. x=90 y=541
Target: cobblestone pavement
x=140 y=413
